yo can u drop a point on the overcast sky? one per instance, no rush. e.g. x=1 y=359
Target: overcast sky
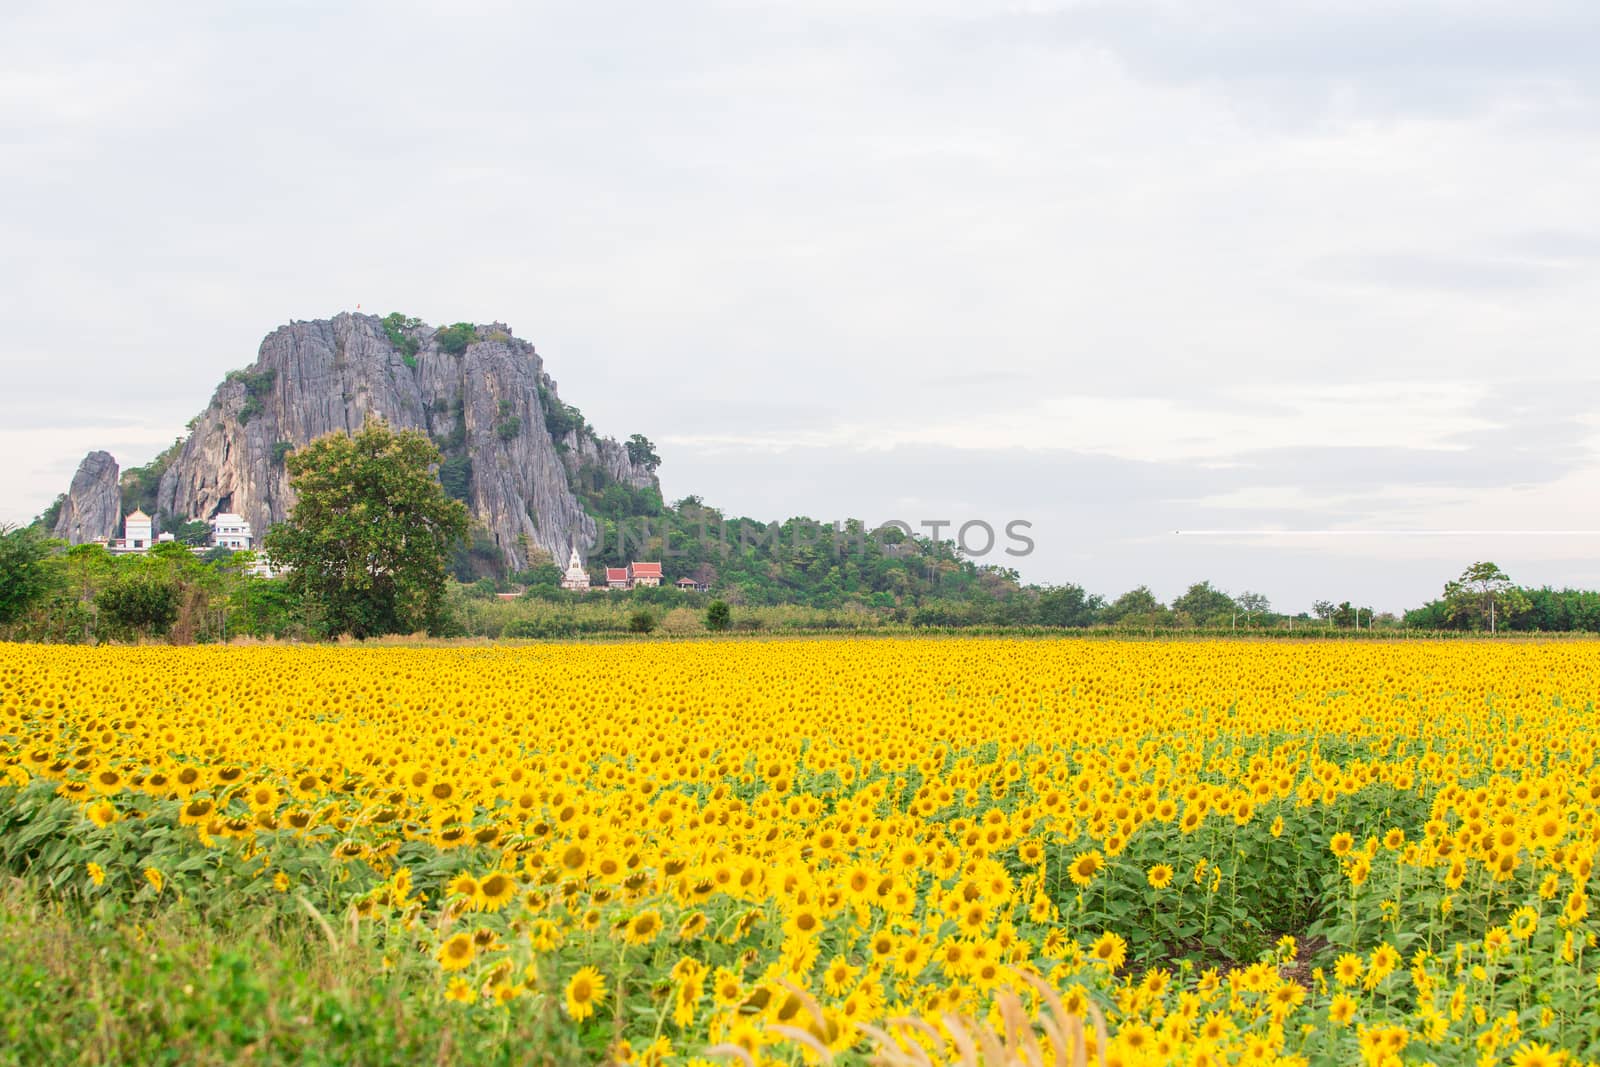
x=1116 y=269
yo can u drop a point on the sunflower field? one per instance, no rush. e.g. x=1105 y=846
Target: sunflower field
x=853 y=851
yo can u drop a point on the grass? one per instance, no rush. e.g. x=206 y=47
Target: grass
x=115 y=982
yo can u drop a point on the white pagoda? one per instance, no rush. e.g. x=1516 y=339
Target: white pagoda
x=575 y=578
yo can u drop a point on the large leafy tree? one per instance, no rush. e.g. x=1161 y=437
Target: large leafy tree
x=368 y=543
x=1484 y=595
x=25 y=575
x=1205 y=604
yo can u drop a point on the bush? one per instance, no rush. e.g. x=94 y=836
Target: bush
x=641 y=622
x=718 y=615
x=395 y=325
x=455 y=474
x=509 y=429
x=257 y=387
x=455 y=338
x=141 y=604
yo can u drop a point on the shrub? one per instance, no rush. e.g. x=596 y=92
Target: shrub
x=455 y=338
x=395 y=326
x=455 y=474
x=718 y=615
x=508 y=429
x=641 y=622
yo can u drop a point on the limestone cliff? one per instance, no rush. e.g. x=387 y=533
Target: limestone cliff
x=93 y=507
x=481 y=394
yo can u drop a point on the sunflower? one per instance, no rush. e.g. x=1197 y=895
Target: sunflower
x=837 y=976
x=463 y=885
x=97 y=873
x=460 y=991
x=642 y=928
x=726 y=988
x=495 y=891
x=1523 y=923
x=584 y=990
x=1159 y=876
x=1110 y=949
x=1084 y=867
x=457 y=952
x=102 y=813
x=197 y=811
x=1347 y=969
x=1536 y=1054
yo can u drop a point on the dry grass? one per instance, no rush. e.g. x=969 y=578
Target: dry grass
x=907 y=1041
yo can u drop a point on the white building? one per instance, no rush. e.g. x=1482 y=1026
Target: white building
x=137 y=534
x=230 y=531
x=575 y=578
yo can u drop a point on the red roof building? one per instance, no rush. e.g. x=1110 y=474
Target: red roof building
x=616 y=577
x=644 y=574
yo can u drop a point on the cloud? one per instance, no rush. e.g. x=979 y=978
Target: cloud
x=1128 y=266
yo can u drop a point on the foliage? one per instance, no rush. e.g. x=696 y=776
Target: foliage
x=140 y=604
x=1203 y=605
x=193 y=533
x=1483 y=597
x=455 y=476
x=25 y=573
x=280 y=451
x=1067 y=605
x=508 y=429
x=371 y=532
x=718 y=616
x=398 y=328
x=641 y=621
x=257 y=387
x=47 y=519
x=641 y=453
x=140 y=486
x=560 y=418
x=455 y=338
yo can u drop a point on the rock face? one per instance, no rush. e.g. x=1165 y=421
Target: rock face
x=485 y=405
x=93 y=507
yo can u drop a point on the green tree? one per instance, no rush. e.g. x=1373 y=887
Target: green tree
x=1252 y=604
x=193 y=533
x=1137 y=607
x=642 y=453
x=1204 y=604
x=141 y=603
x=25 y=574
x=718 y=615
x=1067 y=605
x=641 y=622
x=1484 y=596
x=367 y=545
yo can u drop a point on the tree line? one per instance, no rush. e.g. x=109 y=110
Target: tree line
x=376 y=545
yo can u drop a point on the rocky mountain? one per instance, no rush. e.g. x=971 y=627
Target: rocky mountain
x=92 y=508
x=514 y=452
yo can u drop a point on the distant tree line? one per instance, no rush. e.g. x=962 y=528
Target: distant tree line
x=380 y=543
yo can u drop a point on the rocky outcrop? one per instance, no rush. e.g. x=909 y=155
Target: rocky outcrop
x=484 y=404
x=92 y=509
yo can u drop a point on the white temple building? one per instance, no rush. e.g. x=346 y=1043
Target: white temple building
x=575 y=578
